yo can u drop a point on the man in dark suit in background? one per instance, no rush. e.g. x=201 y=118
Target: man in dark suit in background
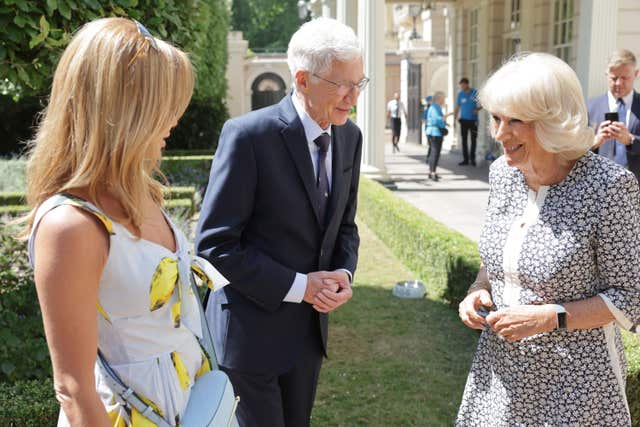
x=278 y=221
x=618 y=140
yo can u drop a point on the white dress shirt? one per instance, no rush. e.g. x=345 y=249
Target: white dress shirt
x=312 y=130
x=613 y=105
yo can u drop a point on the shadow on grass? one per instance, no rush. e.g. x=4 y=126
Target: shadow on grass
x=393 y=362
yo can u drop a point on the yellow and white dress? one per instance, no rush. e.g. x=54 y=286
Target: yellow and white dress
x=148 y=319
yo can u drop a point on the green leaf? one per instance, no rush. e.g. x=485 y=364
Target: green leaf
x=3 y=53
x=44 y=26
x=22 y=75
x=64 y=9
x=7 y=368
x=20 y=21
x=93 y=4
x=52 y=5
x=36 y=40
x=23 y=5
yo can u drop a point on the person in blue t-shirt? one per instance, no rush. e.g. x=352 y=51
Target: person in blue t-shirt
x=467 y=106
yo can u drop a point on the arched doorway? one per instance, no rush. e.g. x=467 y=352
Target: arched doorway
x=267 y=89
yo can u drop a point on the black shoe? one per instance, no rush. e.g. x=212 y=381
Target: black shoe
x=432 y=176
x=463 y=163
x=473 y=162
x=436 y=177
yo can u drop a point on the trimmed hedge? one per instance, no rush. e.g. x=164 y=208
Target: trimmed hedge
x=444 y=259
x=448 y=262
x=28 y=404
x=180 y=201
x=188 y=170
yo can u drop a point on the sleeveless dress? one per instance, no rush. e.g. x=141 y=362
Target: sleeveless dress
x=148 y=319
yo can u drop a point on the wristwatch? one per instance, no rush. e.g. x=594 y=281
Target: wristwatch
x=561 y=314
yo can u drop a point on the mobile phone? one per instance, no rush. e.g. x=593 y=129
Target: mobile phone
x=485 y=310
x=613 y=116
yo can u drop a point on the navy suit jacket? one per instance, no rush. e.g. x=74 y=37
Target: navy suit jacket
x=259 y=225
x=596 y=108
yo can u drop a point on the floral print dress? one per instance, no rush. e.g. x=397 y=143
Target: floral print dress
x=148 y=319
x=567 y=242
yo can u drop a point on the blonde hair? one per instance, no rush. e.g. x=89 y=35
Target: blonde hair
x=621 y=57
x=541 y=88
x=104 y=115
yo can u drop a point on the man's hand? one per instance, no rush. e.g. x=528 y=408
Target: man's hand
x=318 y=281
x=334 y=290
x=619 y=132
x=608 y=130
x=522 y=321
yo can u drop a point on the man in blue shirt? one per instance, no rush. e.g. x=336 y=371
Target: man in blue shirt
x=466 y=110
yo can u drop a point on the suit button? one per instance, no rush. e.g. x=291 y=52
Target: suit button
x=321 y=252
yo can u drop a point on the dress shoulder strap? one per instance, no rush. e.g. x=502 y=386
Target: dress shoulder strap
x=67 y=199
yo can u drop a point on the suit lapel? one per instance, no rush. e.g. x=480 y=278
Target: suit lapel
x=634 y=117
x=296 y=142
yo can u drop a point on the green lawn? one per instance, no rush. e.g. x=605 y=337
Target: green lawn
x=392 y=362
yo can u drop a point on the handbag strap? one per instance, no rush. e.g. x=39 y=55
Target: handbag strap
x=128 y=394
x=207 y=341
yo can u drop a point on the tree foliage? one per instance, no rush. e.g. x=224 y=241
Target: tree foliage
x=265 y=24
x=33 y=34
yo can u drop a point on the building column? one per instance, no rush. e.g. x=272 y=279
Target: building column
x=452 y=89
x=237 y=51
x=371 y=103
x=598 y=30
x=347 y=13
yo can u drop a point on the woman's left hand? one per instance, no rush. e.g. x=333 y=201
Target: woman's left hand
x=522 y=321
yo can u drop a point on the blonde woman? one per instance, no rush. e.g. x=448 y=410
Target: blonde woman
x=560 y=251
x=109 y=264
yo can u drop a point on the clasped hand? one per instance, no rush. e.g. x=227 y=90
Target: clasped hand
x=511 y=323
x=327 y=290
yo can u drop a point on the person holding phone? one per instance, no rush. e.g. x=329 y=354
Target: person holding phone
x=615 y=115
x=559 y=249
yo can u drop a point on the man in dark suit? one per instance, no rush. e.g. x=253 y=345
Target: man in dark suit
x=278 y=220
x=618 y=140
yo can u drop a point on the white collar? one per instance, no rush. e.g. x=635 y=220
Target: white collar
x=311 y=128
x=628 y=99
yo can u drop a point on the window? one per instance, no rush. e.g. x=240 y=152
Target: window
x=514 y=22
x=563 y=29
x=473 y=45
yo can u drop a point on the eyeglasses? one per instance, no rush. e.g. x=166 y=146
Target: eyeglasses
x=344 y=88
x=149 y=41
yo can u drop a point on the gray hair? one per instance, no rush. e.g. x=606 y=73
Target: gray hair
x=318 y=43
x=438 y=94
x=543 y=89
x=621 y=57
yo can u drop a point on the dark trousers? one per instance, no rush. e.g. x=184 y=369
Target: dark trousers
x=467 y=126
x=283 y=400
x=435 y=145
x=396 y=127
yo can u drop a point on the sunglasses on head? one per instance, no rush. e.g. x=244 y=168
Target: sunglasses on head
x=149 y=41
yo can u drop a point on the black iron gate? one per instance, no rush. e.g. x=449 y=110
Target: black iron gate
x=267 y=89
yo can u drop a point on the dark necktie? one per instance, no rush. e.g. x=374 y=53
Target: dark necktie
x=322 y=180
x=620 y=150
